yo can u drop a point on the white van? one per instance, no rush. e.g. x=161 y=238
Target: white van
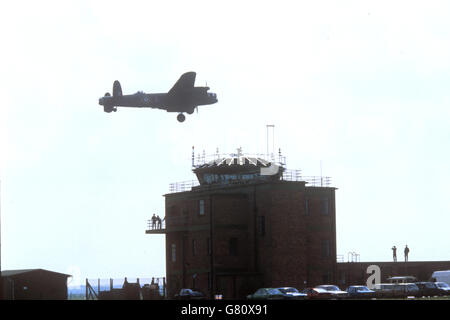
x=441 y=276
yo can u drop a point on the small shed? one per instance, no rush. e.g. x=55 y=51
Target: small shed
x=34 y=284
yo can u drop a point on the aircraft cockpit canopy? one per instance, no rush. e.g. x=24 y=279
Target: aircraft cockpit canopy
x=211 y=94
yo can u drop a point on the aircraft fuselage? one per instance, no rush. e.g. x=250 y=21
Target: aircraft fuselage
x=161 y=100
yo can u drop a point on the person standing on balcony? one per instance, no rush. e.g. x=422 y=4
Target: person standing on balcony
x=153 y=221
x=158 y=219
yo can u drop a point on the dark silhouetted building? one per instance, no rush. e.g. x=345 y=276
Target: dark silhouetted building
x=34 y=284
x=249 y=223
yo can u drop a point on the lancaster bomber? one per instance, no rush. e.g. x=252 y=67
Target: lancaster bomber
x=183 y=97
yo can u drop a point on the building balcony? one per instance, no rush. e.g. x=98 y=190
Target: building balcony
x=168 y=224
x=156 y=227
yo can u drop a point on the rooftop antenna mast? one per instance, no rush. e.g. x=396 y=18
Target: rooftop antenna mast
x=273 y=140
x=321 y=177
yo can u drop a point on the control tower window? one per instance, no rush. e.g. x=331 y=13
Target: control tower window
x=174 y=252
x=201 y=207
x=307 y=207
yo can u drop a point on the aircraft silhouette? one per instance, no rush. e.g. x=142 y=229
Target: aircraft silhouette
x=182 y=97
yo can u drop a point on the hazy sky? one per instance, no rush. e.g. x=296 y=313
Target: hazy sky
x=361 y=86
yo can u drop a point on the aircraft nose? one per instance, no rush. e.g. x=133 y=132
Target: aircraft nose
x=100 y=101
x=213 y=97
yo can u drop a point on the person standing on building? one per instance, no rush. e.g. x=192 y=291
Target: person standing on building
x=406 y=253
x=394 y=253
x=153 y=221
x=158 y=219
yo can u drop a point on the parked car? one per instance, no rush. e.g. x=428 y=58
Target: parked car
x=316 y=293
x=395 y=290
x=335 y=291
x=429 y=289
x=188 y=294
x=266 y=294
x=444 y=286
x=384 y=290
x=292 y=293
x=407 y=290
x=360 y=292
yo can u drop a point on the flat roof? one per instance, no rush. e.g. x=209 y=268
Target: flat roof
x=11 y=273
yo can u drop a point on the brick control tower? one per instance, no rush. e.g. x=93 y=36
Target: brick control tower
x=248 y=222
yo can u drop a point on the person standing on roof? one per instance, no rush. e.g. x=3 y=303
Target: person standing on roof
x=394 y=253
x=406 y=253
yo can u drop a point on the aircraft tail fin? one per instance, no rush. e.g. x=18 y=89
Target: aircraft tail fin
x=117 y=89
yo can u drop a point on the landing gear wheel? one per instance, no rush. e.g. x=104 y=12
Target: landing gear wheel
x=181 y=117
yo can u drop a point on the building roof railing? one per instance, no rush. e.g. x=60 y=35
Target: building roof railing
x=312 y=181
x=183 y=186
x=203 y=159
x=217 y=159
x=288 y=175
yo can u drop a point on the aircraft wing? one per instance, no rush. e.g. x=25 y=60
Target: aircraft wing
x=186 y=81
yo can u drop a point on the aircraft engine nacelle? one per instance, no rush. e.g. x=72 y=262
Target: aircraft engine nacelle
x=109 y=109
x=107 y=106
